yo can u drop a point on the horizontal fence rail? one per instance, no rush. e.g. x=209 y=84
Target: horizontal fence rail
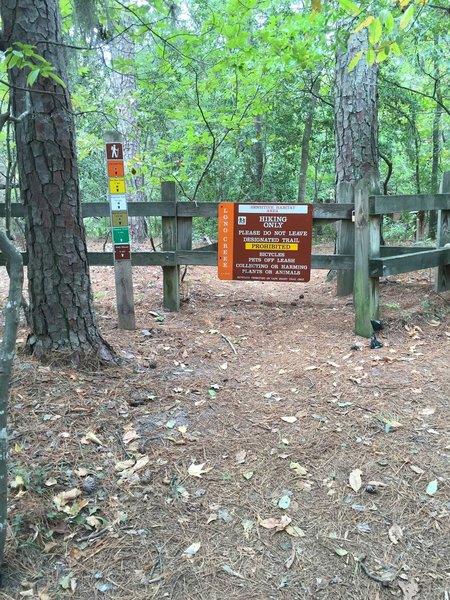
x=366 y=258
x=321 y=212
x=198 y=257
x=383 y=205
x=414 y=261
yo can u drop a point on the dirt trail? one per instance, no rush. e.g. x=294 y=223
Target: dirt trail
x=244 y=413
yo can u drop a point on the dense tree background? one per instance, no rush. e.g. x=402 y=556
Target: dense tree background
x=235 y=101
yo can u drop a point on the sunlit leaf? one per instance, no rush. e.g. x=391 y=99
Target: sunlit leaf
x=365 y=23
x=396 y=49
x=349 y=7
x=32 y=76
x=406 y=18
x=355 y=60
x=375 y=30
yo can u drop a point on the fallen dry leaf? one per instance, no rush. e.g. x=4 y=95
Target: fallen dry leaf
x=196 y=470
x=295 y=531
x=298 y=469
x=124 y=464
x=289 y=419
x=279 y=524
x=395 y=533
x=91 y=437
x=129 y=436
x=192 y=549
x=410 y=589
x=64 y=497
x=416 y=469
x=240 y=456
x=355 y=480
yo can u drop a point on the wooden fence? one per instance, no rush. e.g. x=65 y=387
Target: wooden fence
x=370 y=260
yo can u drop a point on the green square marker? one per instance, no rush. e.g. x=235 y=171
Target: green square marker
x=121 y=235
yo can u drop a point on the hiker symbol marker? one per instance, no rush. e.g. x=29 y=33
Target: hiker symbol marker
x=114 y=151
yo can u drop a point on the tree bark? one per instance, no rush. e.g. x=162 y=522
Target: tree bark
x=7 y=351
x=356 y=130
x=61 y=305
x=436 y=147
x=306 y=137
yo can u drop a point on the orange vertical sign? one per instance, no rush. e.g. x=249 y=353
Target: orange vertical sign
x=226 y=235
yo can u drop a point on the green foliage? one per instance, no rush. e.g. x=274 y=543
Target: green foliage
x=206 y=73
x=23 y=56
x=402 y=230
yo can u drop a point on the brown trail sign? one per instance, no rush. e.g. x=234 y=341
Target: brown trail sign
x=265 y=241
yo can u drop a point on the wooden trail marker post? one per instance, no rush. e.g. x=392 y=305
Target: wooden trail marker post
x=171 y=275
x=120 y=232
x=366 y=296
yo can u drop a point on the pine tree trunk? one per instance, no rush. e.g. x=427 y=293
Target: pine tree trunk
x=306 y=137
x=61 y=306
x=356 y=129
x=436 y=149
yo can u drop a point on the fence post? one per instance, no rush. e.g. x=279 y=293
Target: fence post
x=442 y=274
x=184 y=233
x=345 y=238
x=367 y=245
x=171 y=275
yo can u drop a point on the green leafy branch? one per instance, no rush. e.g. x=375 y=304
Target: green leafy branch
x=23 y=56
x=384 y=29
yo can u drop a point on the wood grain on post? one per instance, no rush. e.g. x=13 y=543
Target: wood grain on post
x=171 y=275
x=367 y=246
x=123 y=275
x=442 y=277
x=345 y=239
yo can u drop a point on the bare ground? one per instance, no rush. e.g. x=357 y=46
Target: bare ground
x=243 y=421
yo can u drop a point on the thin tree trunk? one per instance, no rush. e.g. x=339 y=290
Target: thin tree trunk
x=436 y=149
x=306 y=138
x=61 y=306
x=7 y=351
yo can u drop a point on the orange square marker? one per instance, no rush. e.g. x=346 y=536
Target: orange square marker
x=115 y=168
